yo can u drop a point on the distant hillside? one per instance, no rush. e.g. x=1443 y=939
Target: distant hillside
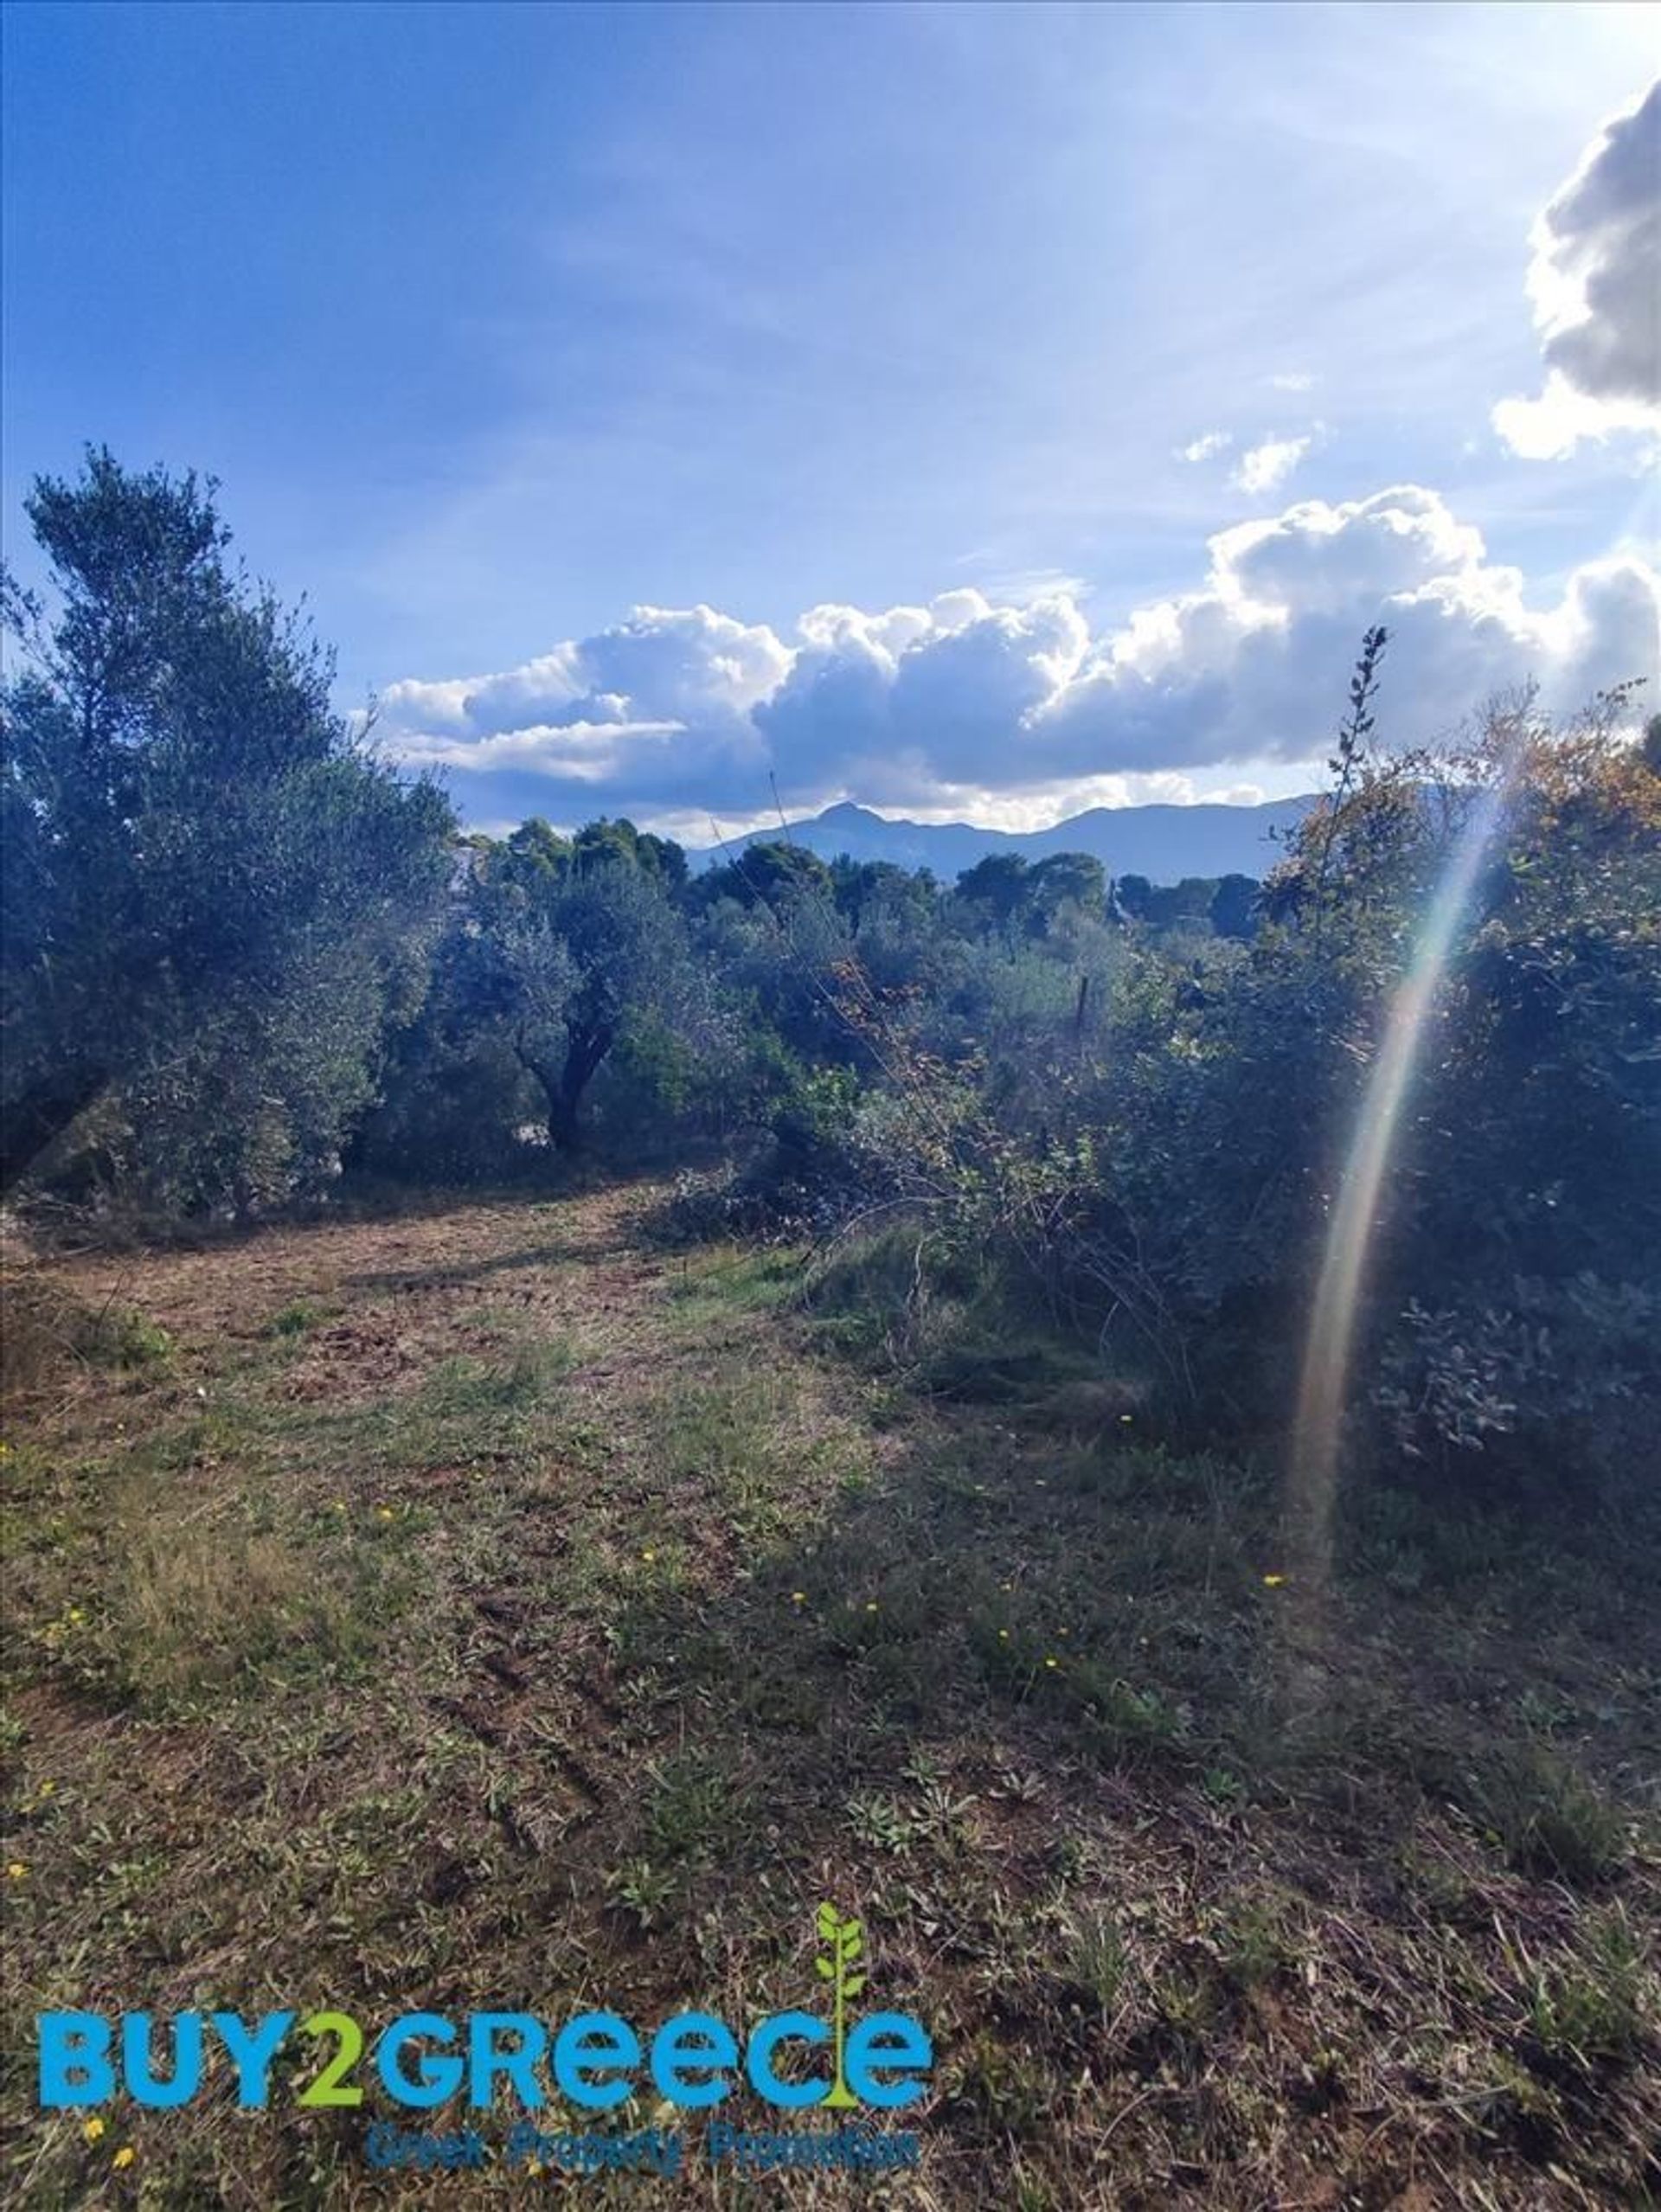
x=1162 y=843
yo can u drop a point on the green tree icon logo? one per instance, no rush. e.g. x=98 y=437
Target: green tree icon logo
x=842 y=1944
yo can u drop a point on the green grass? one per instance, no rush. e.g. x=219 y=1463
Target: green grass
x=1591 y=2007
x=1545 y=1815
x=523 y=1614
x=715 y=1281
x=298 y=1319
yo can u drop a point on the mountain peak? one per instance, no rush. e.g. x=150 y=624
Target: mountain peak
x=1163 y=842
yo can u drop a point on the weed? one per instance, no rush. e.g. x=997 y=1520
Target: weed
x=1188 y=1998
x=1592 y=2007
x=641 y=1891
x=692 y=1809
x=121 y=1338
x=298 y=1319
x=879 y=1822
x=1547 y=1817
x=1096 y=1959
x=719 y=1279
x=460 y=1388
x=1005 y=2085
x=1252 y=1943
x=49 y=1329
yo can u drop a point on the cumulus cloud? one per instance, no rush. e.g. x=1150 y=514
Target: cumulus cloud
x=1206 y=446
x=668 y=692
x=1266 y=467
x=970 y=705
x=1594 y=284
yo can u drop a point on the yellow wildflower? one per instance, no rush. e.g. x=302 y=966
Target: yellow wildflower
x=799 y=1596
x=385 y=1511
x=93 y=2128
x=123 y=2156
x=1052 y=1663
x=648 y=1554
x=16 y=1871
x=870 y=1605
x=1273 y=1581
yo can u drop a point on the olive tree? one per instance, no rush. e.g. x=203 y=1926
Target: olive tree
x=588 y=949
x=215 y=897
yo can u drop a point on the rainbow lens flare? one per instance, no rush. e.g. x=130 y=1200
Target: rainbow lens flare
x=1324 y=1383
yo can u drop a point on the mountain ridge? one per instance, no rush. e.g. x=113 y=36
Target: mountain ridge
x=1163 y=842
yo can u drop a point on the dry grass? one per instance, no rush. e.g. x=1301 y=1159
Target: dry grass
x=193 y=1606
x=56 y=1341
x=483 y=1610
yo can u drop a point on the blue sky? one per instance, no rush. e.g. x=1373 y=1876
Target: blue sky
x=498 y=323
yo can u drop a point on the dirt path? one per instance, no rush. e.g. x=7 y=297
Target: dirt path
x=405 y=1289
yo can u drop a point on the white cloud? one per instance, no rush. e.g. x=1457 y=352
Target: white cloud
x=1266 y=467
x=1554 y=425
x=1000 y=711
x=695 y=665
x=1595 y=283
x=578 y=752
x=1021 y=586
x=1293 y=379
x=1206 y=446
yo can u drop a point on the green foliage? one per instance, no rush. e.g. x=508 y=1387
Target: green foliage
x=1098 y=1962
x=996 y=884
x=454 y=1095
x=215 y=900
x=232 y=941
x=765 y=874
x=119 y=1338
x=584 y=948
x=1593 y=2009
x=645 y=1891
x=1186 y=1181
x=1233 y=909
x=298 y=1319
x=1544 y=1814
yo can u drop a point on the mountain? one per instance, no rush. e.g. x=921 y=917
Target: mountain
x=1162 y=843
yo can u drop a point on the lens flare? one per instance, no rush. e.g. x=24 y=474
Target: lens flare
x=1350 y=1233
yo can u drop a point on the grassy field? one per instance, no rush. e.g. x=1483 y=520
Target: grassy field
x=495 y=1608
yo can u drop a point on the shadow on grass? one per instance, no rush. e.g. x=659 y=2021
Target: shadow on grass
x=1041 y=1710
x=1102 y=1607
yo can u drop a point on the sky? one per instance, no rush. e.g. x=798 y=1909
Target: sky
x=978 y=412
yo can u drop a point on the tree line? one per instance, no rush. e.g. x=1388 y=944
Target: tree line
x=245 y=958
